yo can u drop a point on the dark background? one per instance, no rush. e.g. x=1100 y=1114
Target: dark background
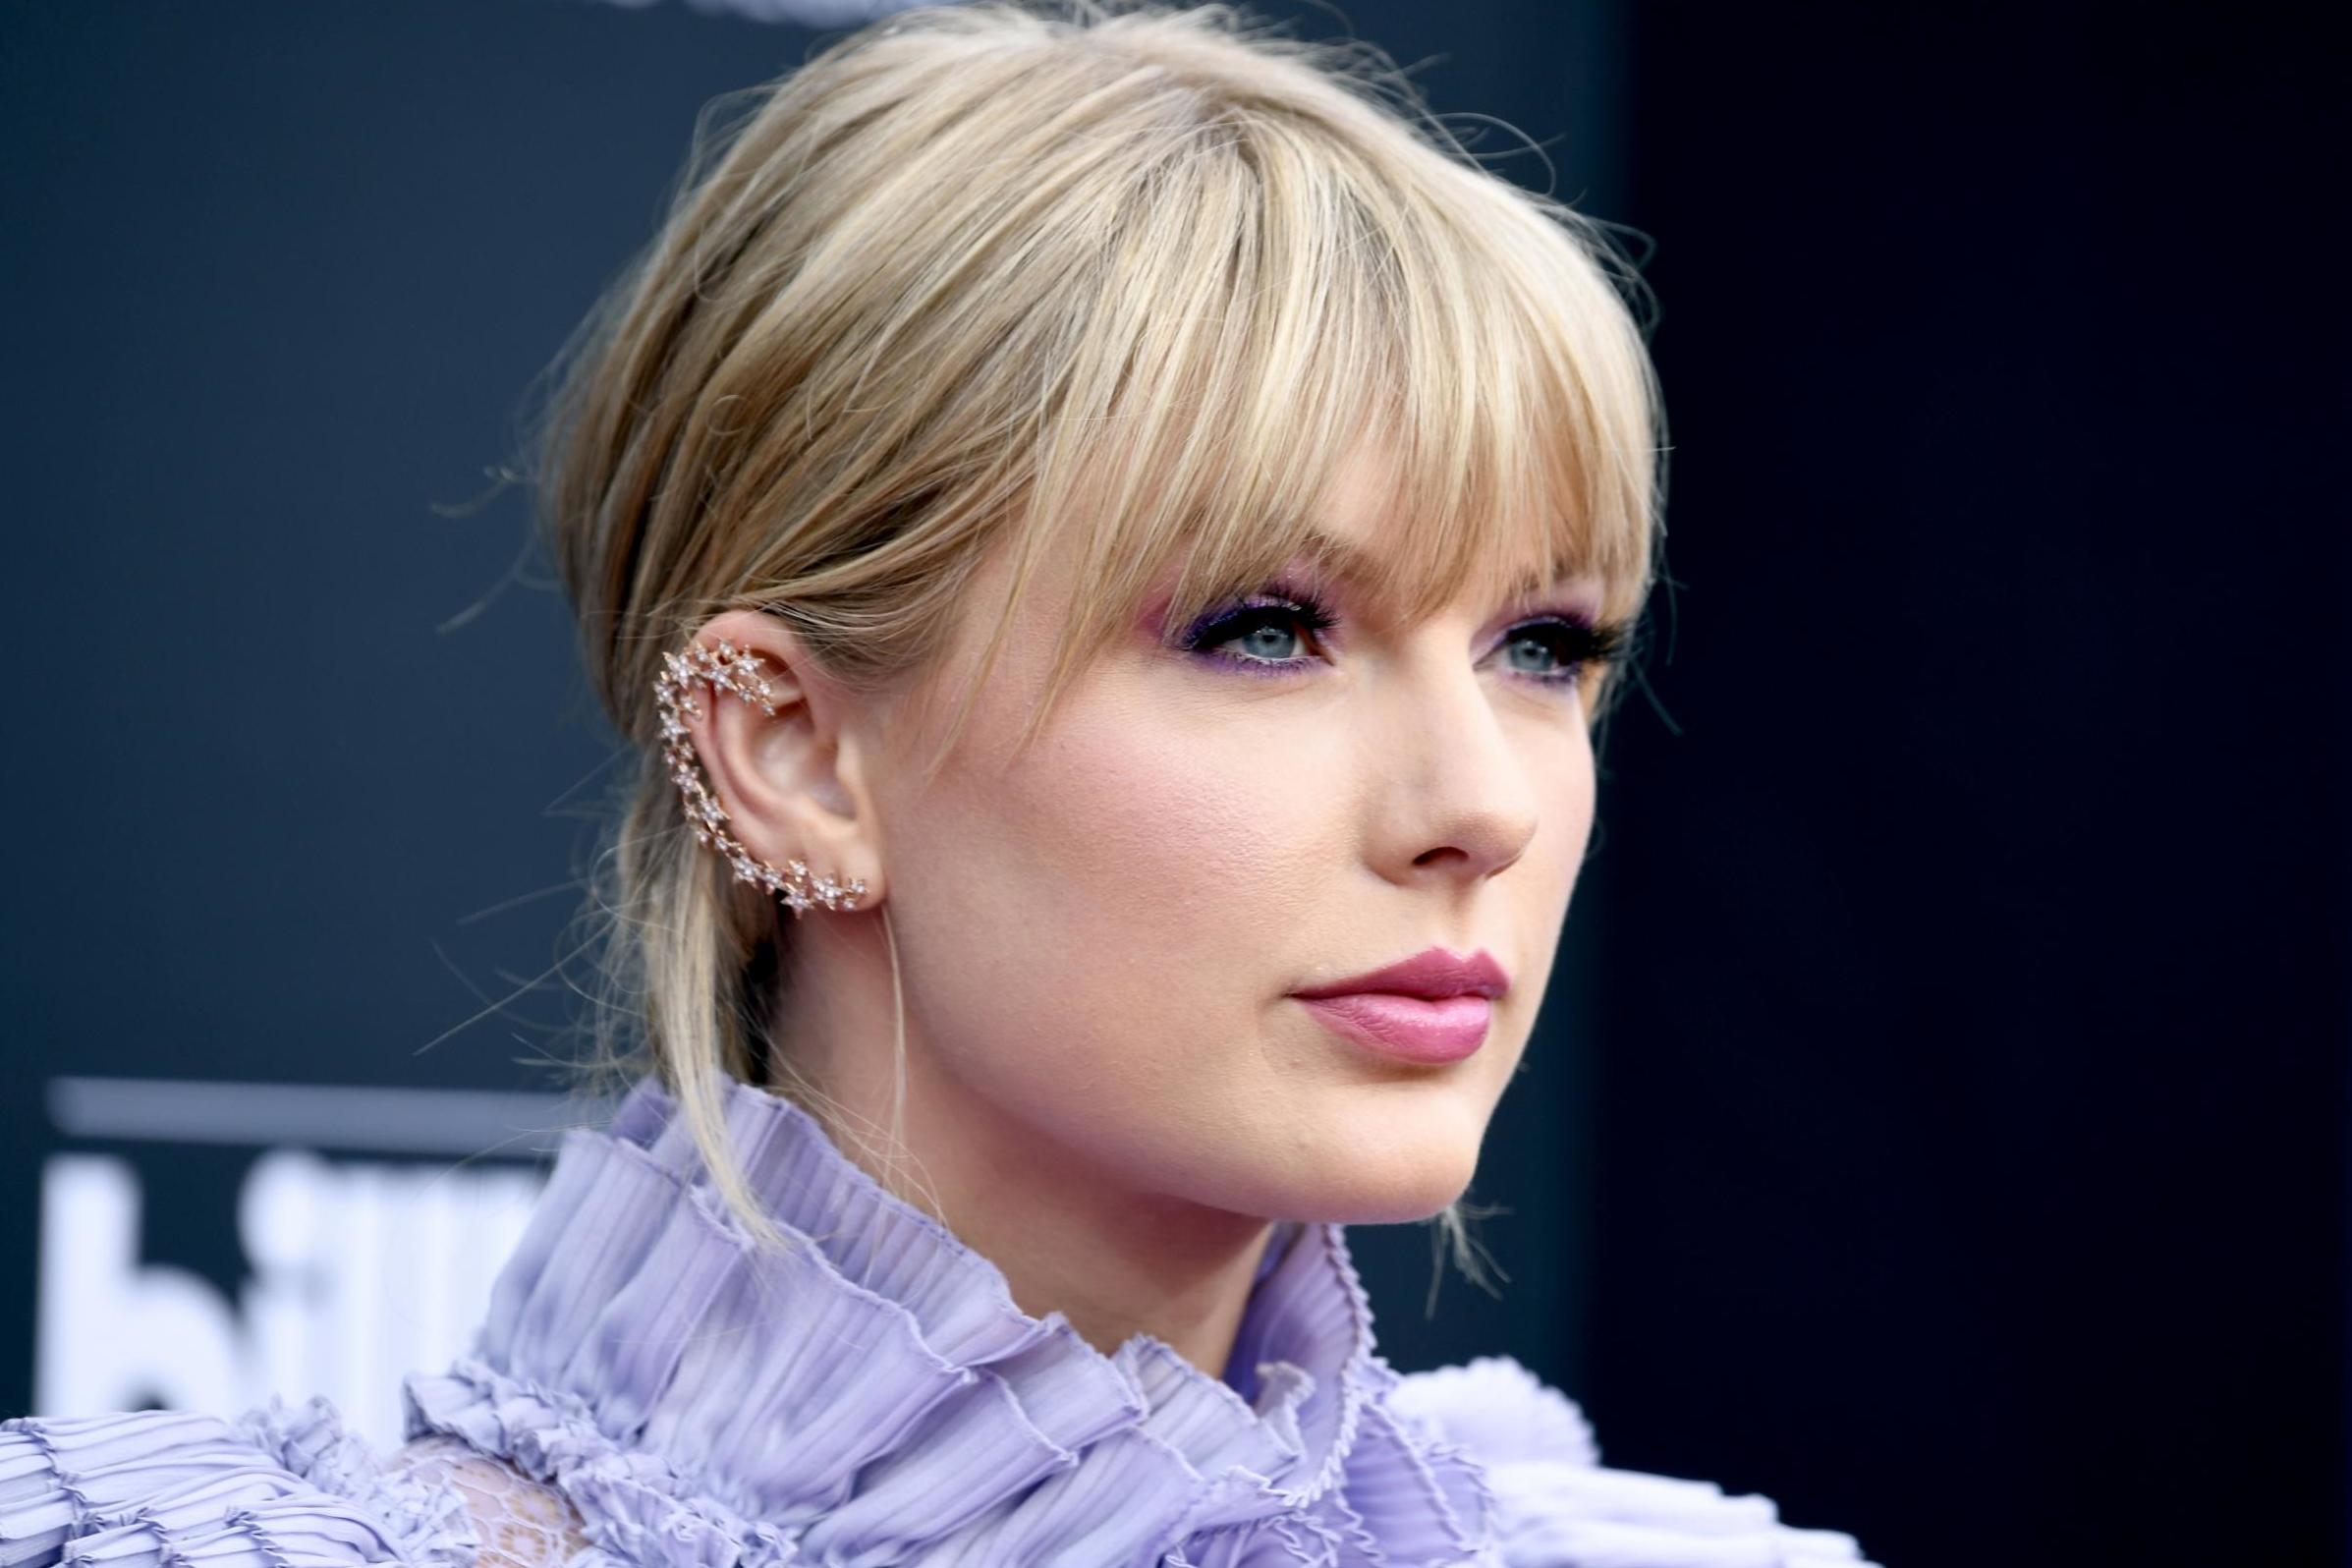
x=1938 y=1122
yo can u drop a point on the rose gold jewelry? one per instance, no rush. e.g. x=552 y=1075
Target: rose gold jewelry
x=729 y=668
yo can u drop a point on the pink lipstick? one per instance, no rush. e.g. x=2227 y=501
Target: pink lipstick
x=1433 y=1007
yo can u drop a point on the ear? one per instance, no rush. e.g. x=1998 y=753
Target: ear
x=792 y=782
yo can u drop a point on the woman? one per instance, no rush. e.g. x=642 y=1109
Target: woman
x=1111 y=541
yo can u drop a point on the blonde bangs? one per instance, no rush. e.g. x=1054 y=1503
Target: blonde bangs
x=1280 y=300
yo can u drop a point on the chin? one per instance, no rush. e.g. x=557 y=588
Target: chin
x=1380 y=1167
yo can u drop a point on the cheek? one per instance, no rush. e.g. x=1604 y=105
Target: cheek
x=1161 y=827
x=1538 y=891
x=1150 y=876
x=1564 y=757
x=1194 y=851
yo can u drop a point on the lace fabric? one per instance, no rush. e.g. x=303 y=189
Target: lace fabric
x=517 y=1522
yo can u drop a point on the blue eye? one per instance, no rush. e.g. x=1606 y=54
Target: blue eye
x=1266 y=632
x=1275 y=631
x=1561 y=648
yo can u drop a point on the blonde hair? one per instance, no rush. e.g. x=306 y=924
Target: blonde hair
x=977 y=273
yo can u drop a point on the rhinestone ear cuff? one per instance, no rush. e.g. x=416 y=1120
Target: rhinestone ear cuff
x=728 y=668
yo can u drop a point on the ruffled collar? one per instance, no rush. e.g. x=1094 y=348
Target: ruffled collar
x=873 y=1395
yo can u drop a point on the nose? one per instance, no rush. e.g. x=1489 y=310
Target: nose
x=1456 y=799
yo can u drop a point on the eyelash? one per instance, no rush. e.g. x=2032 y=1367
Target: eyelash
x=1576 y=645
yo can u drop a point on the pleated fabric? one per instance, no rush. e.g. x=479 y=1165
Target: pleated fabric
x=278 y=1487
x=871 y=1395
x=666 y=1394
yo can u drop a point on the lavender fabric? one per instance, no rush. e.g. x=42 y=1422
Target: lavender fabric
x=871 y=1396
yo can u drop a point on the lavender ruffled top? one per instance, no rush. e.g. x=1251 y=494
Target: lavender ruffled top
x=872 y=1396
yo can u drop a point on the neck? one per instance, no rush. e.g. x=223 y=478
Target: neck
x=1069 y=1236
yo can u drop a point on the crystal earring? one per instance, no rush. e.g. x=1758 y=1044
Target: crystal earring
x=728 y=668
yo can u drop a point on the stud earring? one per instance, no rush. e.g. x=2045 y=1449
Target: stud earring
x=728 y=668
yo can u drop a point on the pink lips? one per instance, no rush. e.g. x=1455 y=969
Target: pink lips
x=1433 y=1007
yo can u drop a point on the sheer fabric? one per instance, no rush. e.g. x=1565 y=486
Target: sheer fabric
x=517 y=1522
